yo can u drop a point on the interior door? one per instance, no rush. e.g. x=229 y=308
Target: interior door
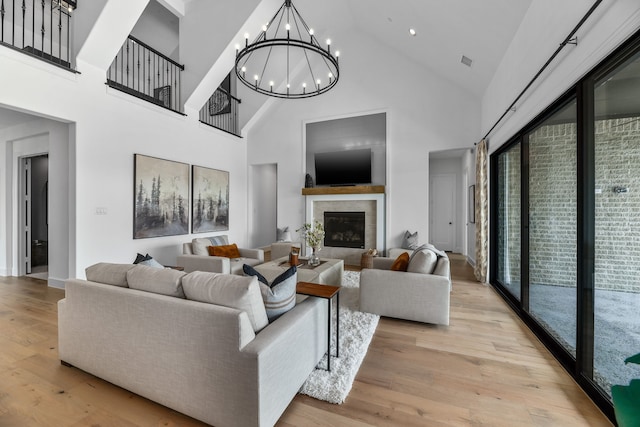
x=443 y=211
x=25 y=249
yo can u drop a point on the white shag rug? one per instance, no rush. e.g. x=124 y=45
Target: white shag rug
x=356 y=331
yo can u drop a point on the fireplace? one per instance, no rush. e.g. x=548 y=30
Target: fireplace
x=344 y=229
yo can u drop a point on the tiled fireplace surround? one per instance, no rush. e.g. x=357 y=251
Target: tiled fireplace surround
x=372 y=204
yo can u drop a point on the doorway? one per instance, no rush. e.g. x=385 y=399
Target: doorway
x=264 y=204
x=34 y=253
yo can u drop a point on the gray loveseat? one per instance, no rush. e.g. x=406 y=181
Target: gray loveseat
x=195 y=257
x=133 y=326
x=421 y=294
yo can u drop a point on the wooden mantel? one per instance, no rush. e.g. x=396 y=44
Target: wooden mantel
x=352 y=189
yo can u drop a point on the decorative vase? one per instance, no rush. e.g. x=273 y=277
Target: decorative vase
x=314 y=259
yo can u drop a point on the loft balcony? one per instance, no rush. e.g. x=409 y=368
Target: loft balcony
x=221 y=111
x=141 y=71
x=41 y=29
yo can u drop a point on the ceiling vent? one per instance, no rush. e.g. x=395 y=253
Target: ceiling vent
x=466 y=61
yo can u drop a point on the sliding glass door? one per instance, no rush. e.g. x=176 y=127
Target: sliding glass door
x=565 y=224
x=508 y=218
x=552 y=193
x=617 y=223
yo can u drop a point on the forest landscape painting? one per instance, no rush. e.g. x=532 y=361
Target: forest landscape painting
x=161 y=197
x=210 y=200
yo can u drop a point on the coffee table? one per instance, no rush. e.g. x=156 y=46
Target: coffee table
x=329 y=272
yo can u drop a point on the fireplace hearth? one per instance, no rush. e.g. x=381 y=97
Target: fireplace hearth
x=344 y=229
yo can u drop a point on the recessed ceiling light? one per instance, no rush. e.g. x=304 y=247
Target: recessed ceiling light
x=412 y=31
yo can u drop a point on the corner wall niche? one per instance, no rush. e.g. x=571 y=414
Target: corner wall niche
x=367 y=199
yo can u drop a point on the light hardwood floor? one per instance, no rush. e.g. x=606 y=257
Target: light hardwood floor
x=485 y=369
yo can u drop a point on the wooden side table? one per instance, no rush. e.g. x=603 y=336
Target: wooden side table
x=327 y=292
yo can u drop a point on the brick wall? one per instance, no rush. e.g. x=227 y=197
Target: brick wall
x=552 y=205
x=552 y=184
x=618 y=215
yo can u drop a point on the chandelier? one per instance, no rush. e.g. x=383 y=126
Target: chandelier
x=286 y=60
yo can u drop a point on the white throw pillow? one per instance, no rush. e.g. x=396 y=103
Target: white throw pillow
x=422 y=262
x=199 y=246
x=240 y=292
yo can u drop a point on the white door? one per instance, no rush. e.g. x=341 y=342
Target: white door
x=443 y=211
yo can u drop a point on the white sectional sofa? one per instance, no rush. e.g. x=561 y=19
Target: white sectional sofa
x=148 y=331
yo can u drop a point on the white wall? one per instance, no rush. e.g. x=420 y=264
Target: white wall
x=544 y=27
x=424 y=113
x=107 y=128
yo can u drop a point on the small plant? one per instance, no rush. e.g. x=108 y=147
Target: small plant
x=626 y=399
x=313 y=235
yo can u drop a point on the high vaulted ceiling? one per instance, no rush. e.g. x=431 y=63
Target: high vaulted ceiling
x=445 y=31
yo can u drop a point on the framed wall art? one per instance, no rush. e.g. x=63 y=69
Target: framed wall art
x=210 y=200
x=161 y=197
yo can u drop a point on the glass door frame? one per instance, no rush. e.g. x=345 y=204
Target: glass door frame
x=582 y=367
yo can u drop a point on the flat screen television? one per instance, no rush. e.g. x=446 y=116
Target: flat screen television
x=348 y=167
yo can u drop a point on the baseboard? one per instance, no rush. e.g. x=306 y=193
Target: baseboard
x=5 y=272
x=55 y=283
x=471 y=261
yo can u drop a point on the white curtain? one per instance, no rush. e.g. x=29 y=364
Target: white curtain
x=482 y=213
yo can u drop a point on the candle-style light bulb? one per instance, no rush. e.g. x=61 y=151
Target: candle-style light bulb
x=246 y=39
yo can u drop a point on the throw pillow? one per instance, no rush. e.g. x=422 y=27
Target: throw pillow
x=140 y=258
x=279 y=296
x=222 y=239
x=283 y=234
x=423 y=262
x=228 y=251
x=401 y=263
x=150 y=262
x=410 y=241
x=165 y=281
x=239 y=292
x=110 y=274
x=199 y=246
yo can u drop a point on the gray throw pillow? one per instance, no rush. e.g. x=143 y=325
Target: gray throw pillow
x=199 y=246
x=150 y=262
x=279 y=296
x=423 y=262
x=283 y=234
x=410 y=240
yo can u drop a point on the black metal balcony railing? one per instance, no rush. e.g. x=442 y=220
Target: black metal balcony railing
x=143 y=72
x=221 y=111
x=38 y=28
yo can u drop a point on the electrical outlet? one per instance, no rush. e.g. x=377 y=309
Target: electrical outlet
x=101 y=211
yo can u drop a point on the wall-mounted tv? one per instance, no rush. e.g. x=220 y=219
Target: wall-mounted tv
x=348 y=167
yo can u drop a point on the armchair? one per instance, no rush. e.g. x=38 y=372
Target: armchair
x=195 y=257
x=411 y=295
